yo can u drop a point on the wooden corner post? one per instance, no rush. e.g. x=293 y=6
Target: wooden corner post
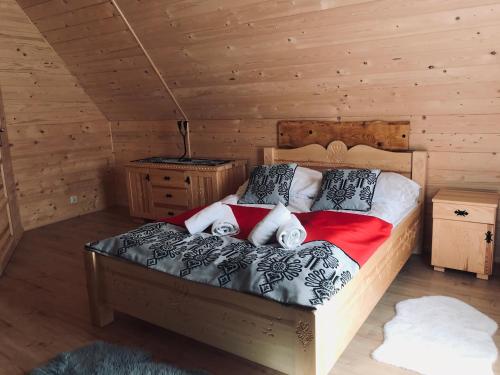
x=100 y=314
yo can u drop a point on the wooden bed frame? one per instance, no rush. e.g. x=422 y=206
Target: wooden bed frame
x=290 y=339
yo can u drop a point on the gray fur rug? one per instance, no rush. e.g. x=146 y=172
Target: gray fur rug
x=101 y=358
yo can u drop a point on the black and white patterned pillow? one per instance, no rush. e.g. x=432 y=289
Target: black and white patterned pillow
x=346 y=189
x=269 y=184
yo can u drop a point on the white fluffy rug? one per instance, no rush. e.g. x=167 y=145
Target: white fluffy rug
x=439 y=336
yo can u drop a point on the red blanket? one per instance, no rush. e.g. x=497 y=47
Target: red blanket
x=357 y=235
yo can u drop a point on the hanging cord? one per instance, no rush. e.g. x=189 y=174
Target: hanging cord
x=183 y=129
x=149 y=58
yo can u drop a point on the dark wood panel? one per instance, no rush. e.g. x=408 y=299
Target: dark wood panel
x=387 y=135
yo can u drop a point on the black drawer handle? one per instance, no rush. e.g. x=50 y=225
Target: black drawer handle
x=488 y=237
x=168 y=195
x=170 y=213
x=461 y=213
x=147 y=177
x=166 y=178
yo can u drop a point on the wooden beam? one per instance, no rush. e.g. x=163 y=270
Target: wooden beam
x=148 y=56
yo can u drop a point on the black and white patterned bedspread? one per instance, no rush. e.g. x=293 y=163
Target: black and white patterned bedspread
x=307 y=276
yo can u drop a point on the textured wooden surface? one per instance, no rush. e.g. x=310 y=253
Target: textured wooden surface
x=134 y=140
x=98 y=48
x=237 y=67
x=11 y=228
x=386 y=135
x=461 y=223
x=161 y=190
x=60 y=141
x=43 y=323
x=295 y=341
x=337 y=154
x=302 y=341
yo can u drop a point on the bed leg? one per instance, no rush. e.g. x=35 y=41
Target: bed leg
x=100 y=314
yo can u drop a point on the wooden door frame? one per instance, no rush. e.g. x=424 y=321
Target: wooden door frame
x=16 y=227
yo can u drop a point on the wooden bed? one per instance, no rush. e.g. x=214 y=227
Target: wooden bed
x=290 y=339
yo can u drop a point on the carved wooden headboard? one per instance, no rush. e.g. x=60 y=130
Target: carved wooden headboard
x=336 y=154
x=386 y=135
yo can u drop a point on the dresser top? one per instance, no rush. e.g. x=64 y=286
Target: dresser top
x=224 y=164
x=474 y=197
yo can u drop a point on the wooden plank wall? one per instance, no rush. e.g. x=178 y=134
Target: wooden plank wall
x=60 y=141
x=237 y=67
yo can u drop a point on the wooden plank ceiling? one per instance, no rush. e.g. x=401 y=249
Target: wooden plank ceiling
x=228 y=59
x=98 y=48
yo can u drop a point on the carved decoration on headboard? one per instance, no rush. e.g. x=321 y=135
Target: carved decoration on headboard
x=386 y=135
x=337 y=151
x=337 y=154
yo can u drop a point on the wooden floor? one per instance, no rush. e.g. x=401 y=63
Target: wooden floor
x=43 y=307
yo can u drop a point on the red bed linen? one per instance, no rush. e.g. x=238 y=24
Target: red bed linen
x=359 y=236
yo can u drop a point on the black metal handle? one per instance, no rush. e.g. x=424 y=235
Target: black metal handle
x=461 y=213
x=187 y=180
x=488 y=237
x=170 y=213
x=166 y=178
x=147 y=177
x=168 y=195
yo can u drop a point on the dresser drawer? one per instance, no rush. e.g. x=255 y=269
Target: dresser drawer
x=167 y=178
x=170 y=196
x=162 y=211
x=464 y=212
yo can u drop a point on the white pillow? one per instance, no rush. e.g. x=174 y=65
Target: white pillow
x=305 y=186
x=393 y=187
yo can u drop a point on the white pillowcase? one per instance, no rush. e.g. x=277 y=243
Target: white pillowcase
x=305 y=186
x=393 y=191
x=392 y=187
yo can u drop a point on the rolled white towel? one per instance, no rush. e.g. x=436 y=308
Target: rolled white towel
x=203 y=219
x=226 y=224
x=291 y=234
x=267 y=227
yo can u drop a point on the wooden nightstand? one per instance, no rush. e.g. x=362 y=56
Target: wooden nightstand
x=463 y=231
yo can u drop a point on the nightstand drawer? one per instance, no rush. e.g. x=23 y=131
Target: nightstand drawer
x=170 y=196
x=464 y=212
x=167 y=178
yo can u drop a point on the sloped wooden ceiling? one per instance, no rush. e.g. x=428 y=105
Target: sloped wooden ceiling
x=227 y=59
x=231 y=59
x=97 y=47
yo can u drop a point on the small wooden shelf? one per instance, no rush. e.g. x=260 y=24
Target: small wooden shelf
x=463 y=231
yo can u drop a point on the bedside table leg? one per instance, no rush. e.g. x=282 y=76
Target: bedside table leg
x=440 y=269
x=482 y=276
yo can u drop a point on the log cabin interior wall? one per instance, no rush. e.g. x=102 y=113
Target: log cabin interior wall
x=60 y=141
x=236 y=67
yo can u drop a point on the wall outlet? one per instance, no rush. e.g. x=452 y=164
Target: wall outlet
x=73 y=199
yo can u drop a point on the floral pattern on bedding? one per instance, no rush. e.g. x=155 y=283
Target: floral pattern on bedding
x=307 y=276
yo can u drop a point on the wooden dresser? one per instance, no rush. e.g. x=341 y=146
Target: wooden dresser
x=463 y=231
x=158 y=190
